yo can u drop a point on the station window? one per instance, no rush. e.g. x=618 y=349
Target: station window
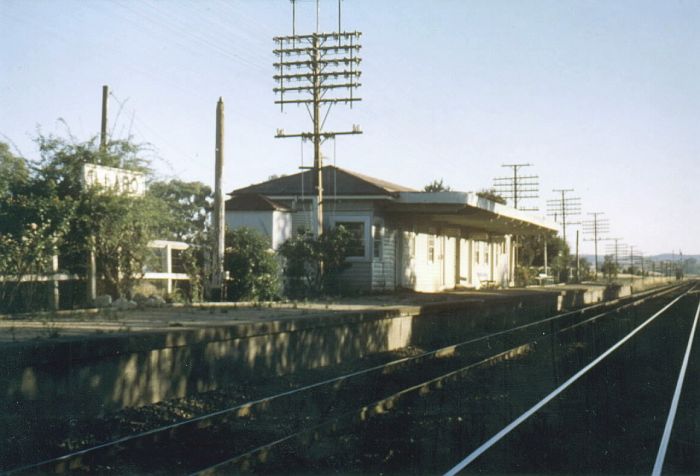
x=356 y=249
x=377 y=239
x=431 y=245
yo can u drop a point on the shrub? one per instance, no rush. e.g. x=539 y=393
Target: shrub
x=313 y=266
x=253 y=269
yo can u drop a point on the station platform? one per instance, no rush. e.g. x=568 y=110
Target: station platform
x=92 y=362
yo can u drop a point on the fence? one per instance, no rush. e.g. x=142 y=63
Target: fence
x=57 y=290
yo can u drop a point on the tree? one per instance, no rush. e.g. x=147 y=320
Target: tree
x=437 y=186
x=53 y=197
x=188 y=205
x=121 y=227
x=13 y=171
x=531 y=255
x=32 y=228
x=609 y=267
x=303 y=254
x=252 y=266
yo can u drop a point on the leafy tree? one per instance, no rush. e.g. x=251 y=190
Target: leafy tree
x=26 y=253
x=252 y=266
x=531 y=249
x=32 y=227
x=303 y=255
x=188 y=205
x=531 y=255
x=437 y=186
x=609 y=267
x=121 y=228
x=13 y=171
x=52 y=196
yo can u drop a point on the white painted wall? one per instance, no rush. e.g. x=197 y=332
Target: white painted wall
x=274 y=224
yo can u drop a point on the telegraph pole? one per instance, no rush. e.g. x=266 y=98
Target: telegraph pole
x=92 y=261
x=564 y=207
x=561 y=209
x=317 y=70
x=103 y=128
x=218 y=288
x=632 y=260
x=517 y=187
x=596 y=226
x=614 y=249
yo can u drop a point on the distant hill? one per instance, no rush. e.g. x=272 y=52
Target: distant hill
x=691 y=262
x=661 y=257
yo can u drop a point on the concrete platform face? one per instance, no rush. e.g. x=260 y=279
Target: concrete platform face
x=90 y=364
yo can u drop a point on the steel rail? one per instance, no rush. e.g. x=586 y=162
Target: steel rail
x=245 y=408
x=661 y=455
x=373 y=408
x=527 y=414
x=387 y=403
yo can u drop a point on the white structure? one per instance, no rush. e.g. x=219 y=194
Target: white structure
x=425 y=241
x=260 y=213
x=168 y=268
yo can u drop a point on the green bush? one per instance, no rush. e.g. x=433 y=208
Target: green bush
x=313 y=266
x=252 y=266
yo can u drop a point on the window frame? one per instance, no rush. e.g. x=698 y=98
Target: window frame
x=365 y=220
x=431 y=245
x=378 y=239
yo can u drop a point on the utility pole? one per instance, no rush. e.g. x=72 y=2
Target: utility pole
x=516 y=188
x=564 y=207
x=632 y=260
x=218 y=287
x=92 y=261
x=561 y=209
x=545 y=255
x=103 y=128
x=614 y=249
x=317 y=70
x=595 y=227
x=578 y=262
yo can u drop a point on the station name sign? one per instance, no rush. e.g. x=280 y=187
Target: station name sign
x=114 y=179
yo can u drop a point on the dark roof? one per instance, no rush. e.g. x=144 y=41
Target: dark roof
x=336 y=181
x=253 y=202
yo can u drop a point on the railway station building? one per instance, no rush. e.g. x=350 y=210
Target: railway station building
x=404 y=238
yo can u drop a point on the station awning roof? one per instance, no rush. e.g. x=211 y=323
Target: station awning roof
x=466 y=209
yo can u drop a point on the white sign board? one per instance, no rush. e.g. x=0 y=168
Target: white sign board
x=114 y=179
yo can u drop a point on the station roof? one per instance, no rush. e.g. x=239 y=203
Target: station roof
x=466 y=209
x=451 y=208
x=336 y=181
x=253 y=202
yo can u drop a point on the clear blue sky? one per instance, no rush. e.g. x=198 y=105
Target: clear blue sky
x=601 y=96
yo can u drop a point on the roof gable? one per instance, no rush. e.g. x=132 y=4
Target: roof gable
x=253 y=202
x=336 y=181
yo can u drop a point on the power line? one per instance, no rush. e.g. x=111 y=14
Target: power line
x=317 y=70
x=615 y=249
x=517 y=187
x=595 y=227
x=564 y=207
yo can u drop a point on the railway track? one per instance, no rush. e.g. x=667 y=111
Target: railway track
x=307 y=428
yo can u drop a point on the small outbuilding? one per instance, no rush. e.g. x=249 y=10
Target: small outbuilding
x=404 y=238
